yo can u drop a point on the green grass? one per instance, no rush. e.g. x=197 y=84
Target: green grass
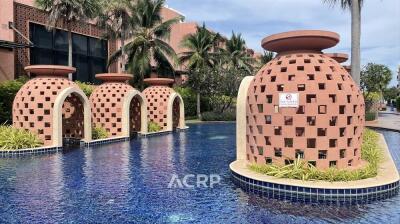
x=301 y=170
x=12 y=138
x=99 y=133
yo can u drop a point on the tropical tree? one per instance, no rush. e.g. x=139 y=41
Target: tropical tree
x=200 y=56
x=148 y=50
x=266 y=57
x=355 y=9
x=374 y=79
x=235 y=52
x=115 y=19
x=68 y=12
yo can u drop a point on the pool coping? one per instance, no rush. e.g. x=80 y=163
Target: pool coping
x=386 y=181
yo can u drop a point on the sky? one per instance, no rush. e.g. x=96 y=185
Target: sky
x=256 y=19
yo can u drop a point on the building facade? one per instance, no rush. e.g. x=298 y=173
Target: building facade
x=25 y=41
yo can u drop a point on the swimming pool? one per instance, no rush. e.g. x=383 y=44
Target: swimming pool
x=128 y=182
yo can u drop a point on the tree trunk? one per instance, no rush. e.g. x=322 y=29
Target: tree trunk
x=123 y=52
x=69 y=50
x=198 y=105
x=355 y=40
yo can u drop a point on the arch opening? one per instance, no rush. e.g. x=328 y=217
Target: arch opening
x=135 y=116
x=72 y=120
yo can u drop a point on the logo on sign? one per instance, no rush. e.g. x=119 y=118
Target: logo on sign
x=288 y=99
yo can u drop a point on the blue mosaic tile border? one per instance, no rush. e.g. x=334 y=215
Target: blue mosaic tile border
x=315 y=195
x=33 y=151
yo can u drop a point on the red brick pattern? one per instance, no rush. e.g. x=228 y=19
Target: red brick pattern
x=157 y=103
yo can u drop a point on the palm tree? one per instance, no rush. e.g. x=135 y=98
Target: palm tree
x=266 y=57
x=200 y=55
x=67 y=12
x=237 y=55
x=355 y=8
x=148 y=50
x=115 y=19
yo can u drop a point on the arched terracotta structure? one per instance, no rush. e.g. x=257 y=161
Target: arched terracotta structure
x=160 y=104
x=325 y=128
x=118 y=107
x=50 y=100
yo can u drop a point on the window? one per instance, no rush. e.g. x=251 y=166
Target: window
x=332 y=163
x=342 y=153
x=268 y=160
x=51 y=47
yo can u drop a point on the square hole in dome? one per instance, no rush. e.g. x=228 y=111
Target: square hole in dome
x=307 y=61
x=277 y=130
x=311 y=120
x=268 y=119
x=332 y=143
x=333 y=120
x=332 y=97
x=321 y=132
x=310 y=77
x=278 y=152
x=300 y=68
x=291 y=77
x=288 y=120
x=311 y=142
x=267 y=140
x=300 y=131
x=311 y=98
x=301 y=87
x=280 y=87
x=293 y=61
x=321 y=86
x=283 y=69
x=300 y=110
x=288 y=142
x=317 y=68
x=273 y=78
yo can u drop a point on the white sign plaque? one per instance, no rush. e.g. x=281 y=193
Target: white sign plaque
x=288 y=100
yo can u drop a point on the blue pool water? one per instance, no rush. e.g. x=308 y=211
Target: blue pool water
x=128 y=183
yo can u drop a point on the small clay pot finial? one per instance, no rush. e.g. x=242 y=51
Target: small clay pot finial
x=50 y=70
x=159 y=81
x=300 y=40
x=339 y=57
x=114 y=77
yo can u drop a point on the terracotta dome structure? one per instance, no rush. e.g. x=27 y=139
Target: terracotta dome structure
x=165 y=106
x=118 y=107
x=52 y=106
x=302 y=104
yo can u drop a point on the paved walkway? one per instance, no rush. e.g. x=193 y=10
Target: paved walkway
x=387 y=119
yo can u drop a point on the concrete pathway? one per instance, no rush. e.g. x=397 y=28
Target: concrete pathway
x=388 y=120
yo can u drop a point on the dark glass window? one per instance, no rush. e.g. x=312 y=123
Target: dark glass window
x=89 y=54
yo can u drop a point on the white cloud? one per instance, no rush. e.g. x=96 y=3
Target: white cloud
x=255 y=19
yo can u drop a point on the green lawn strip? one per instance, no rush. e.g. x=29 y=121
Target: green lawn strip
x=371 y=152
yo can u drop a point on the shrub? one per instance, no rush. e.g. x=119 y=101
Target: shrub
x=301 y=170
x=370 y=116
x=86 y=87
x=8 y=90
x=12 y=138
x=153 y=127
x=398 y=103
x=215 y=116
x=190 y=101
x=99 y=133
